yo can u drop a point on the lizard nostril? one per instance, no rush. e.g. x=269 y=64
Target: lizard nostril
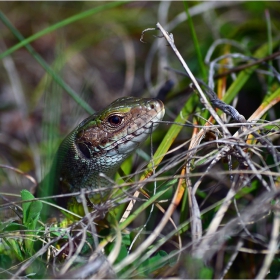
x=154 y=104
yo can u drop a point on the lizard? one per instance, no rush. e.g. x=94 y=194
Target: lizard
x=99 y=144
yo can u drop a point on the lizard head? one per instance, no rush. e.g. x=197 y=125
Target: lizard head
x=118 y=129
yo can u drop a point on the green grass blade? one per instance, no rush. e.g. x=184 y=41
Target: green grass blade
x=195 y=41
x=243 y=77
x=60 y=24
x=47 y=68
x=172 y=133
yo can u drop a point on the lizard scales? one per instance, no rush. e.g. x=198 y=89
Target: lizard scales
x=99 y=144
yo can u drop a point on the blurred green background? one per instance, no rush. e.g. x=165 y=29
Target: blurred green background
x=99 y=57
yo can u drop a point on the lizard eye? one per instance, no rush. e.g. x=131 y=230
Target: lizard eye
x=115 y=120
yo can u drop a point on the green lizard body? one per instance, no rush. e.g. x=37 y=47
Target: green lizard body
x=99 y=144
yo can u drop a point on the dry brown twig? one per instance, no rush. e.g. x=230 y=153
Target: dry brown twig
x=202 y=250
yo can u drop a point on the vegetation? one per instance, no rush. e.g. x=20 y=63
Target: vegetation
x=206 y=185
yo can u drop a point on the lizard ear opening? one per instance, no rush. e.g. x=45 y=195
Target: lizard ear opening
x=84 y=150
